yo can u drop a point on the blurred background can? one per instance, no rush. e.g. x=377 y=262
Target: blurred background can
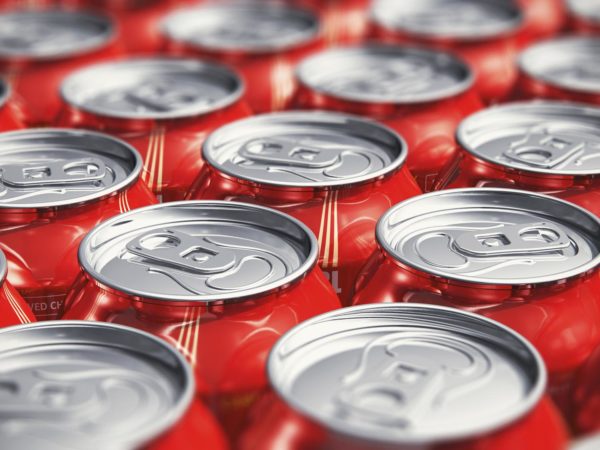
x=164 y=107
x=422 y=94
x=527 y=260
x=11 y=114
x=404 y=376
x=336 y=173
x=56 y=185
x=78 y=384
x=221 y=281
x=584 y=16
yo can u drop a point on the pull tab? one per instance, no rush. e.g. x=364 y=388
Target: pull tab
x=514 y=240
x=163 y=95
x=263 y=28
x=288 y=152
x=544 y=150
x=183 y=251
x=54 y=173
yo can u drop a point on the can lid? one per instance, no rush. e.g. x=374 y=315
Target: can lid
x=152 y=88
x=305 y=149
x=589 y=10
x=571 y=63
x=492 y=236
x=202 y=251
x=457 y=19
x=46 y=167
x=52 y=34
x=407 y=373
x=81 y=385
x=385 y=74
x=589 y=443
x=256 y=27
x=537 y=136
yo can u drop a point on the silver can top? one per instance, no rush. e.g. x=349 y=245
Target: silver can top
x=587 y=9
x=202 y=251
x=385 y=74
x=82 y=385
x=152 y=88
x=4 y=92
x=458 y=19
x=537 y=136
x=406 y=373
x=52 y=34
x=46 y=167
x=571 y=63
x=492 y=236
x=253 y=27
x=306 y=149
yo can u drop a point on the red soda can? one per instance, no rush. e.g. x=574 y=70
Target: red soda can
x=264 y=41
x=527 y=260
x=543 y=18
x=39 y=48
x=13 y=309
x=343 y=21
x=401 y=376
x=164 y=107
x=336 y=173
x=584 y=16
x=221 y=281
x=10 y=112
x=483 y=33
x=421 y=94
x=563 y=69
x=75 y=384
x=541 y=146
x=56 y=185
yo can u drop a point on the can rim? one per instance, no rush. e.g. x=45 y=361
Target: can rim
x=3 y=267
x=94 y=44
x=88 y=72
x=371 y=177
x=535 y=395
x=237 y=296
x=172 y=417
x=129 y=180
x=374 y=47
x=583 y=10
x=168 y=24
x=381 y=241
x=462 y=139
x=540 y=47
x=381 y=16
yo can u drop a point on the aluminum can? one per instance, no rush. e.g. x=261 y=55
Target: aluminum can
x=401 y=376
x=263 y=40
x=336 y=173
x=524 y=259
x=542 y=146
x=38 y=48
x=343 y=21
x=56 y=185
x=584 y=16
x=221 y=281
x=10 y=112
x=483 y=33
x=421 y=94
x=82 y=385
x=13 y=309
x=543 y=18
x=164 y=107
x=565 y=68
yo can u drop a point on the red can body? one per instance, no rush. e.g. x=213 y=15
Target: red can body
x=491 y=57
x=586 y=404
x=274 y=425
x=170 y=147
x=428 y=126
x=343 y=21
x=540 y=312
x=267 y=66
x=35 y=81
x=41 y=242
x=543 y=18
x=13 y=309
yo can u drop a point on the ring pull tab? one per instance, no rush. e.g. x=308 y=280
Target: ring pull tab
x=88 y=170
x=544 y=150
x=288 y=152
x=181 y=250
x=513 y=240
x=162 y=95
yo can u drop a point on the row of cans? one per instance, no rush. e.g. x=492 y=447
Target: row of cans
x=215 y=319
